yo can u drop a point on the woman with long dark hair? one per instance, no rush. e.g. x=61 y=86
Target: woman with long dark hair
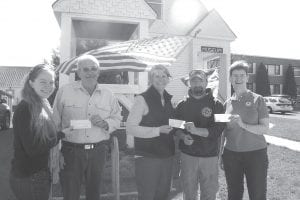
x=34 y=135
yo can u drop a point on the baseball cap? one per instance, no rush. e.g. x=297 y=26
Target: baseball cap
x=197 y=73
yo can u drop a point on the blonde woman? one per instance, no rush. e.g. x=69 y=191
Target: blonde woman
x=154 y=145
x=34 y=135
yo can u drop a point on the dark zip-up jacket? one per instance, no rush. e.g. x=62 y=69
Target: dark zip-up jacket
x=158 y=115
x=201 y=112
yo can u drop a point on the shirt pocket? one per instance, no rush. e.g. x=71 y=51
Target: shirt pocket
x=103 y=110
x=74 y=110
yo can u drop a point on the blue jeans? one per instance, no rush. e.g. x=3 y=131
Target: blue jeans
x=201 y=171
x=153 y=177
x=82 y=166
x=35 y=187
x=253 y=165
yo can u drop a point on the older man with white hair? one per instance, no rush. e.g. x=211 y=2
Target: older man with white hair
x=94 y=113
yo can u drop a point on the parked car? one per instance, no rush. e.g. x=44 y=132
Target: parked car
x=5 y=114
x=278 y=104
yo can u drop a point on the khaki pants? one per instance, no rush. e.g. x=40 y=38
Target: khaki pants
x=199 y=170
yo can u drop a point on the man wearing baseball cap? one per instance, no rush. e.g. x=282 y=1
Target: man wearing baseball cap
x=199 y=143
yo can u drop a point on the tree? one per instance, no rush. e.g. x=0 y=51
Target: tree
x=55 y=61
x=289 y=86
x=262 y=81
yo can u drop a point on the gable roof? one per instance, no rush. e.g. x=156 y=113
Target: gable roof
x=118 y=8
x=12 y=76
x=213 y=26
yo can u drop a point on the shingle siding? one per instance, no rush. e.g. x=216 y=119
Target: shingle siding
x=12 y=76
x=137 y=8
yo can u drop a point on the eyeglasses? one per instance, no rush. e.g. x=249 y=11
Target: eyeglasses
x=239 y=75
x=160 y=76
x=87 y=69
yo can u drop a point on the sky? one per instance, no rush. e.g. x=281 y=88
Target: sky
x=29 y=30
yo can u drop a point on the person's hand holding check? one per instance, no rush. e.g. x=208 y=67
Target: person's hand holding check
x=165 y=129
x=237 y=120
x=96 y=120
x=191 y=128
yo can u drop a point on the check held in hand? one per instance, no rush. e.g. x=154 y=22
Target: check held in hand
x=222 y=117
x=175 y=123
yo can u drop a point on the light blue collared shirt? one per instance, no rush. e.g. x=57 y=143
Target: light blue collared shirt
x=73 y=102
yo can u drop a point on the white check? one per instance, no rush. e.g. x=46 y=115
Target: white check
x=222 y=117
x=81 y=124
x=175 y=123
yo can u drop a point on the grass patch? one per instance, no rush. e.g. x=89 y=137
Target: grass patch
x=283 y=177
x=285 y=128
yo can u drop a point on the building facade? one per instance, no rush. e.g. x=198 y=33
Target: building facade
x=120 y=20
x=11 y=82
x=276 y=68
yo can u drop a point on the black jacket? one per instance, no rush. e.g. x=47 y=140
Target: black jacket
x=158 y=115
x=201 y=112
x=30 y=155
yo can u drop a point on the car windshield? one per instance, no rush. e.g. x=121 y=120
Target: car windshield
x=284 y=100
x=273 y=100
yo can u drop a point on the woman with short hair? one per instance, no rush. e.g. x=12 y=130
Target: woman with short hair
x=245 y=150
x=154 y=145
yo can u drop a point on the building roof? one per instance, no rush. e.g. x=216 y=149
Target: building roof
x=117 y=8
x=213 y=26
x=12 y=76
x=266 y=59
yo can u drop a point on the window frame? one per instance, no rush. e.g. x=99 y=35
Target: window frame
x=275 y=70
x=296 y=70
x=272 y=89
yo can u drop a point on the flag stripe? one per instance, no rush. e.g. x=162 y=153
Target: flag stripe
x=120 y=68
x=134 y=55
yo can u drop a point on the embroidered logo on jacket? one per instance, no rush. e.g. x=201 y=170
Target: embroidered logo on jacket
x=206 y=112
x=248 y=103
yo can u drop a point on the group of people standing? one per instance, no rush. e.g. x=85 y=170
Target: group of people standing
x=38 y=129
x=201 y=145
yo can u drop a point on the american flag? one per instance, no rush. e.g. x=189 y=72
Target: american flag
x=134 y=55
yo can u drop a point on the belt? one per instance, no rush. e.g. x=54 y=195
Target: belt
x=82 y=145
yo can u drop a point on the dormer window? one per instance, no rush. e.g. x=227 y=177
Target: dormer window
x=157 y=6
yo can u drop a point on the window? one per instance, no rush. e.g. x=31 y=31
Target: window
x=273 y=69
x=214 y=63
x=250 y=86
x=275 y=88
x=296 y=71
x=298 y=89
x=157 y=6
x=250 y=70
